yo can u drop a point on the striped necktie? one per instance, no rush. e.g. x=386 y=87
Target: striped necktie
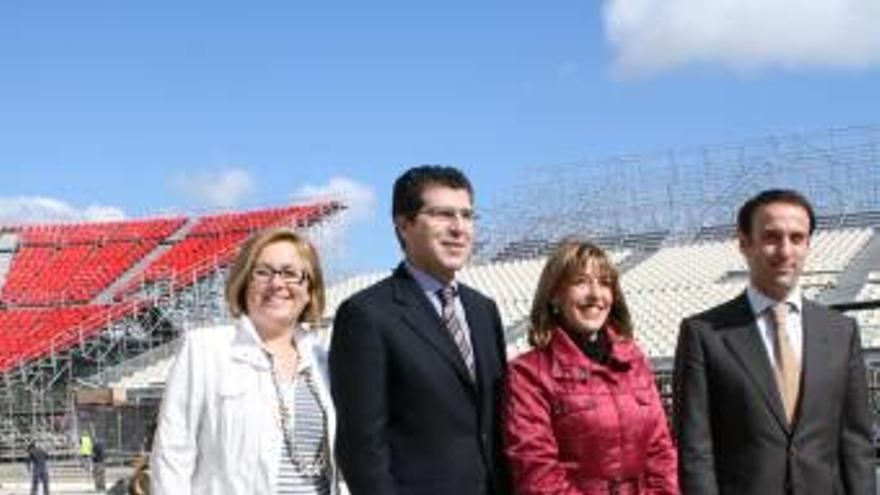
x=453 y=323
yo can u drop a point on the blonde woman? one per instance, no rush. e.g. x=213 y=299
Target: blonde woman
x=247 y=408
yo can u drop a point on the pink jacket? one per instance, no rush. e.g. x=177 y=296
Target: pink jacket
x=575 y=427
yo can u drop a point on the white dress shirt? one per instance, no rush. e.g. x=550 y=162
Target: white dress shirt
x=761 y=304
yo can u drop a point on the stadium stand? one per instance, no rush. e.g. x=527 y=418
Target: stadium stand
x=8 y=242
x=870 y=320
x=68 y=264
x=153 y=375
x=77 y=299
x=673 y=281
x=679 y=280
x=212 y=241
x=510 y=283
x=667 y=279
x=29 y=334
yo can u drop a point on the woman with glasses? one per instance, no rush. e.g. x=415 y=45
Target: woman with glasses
x=582 y=413
x=247 y=407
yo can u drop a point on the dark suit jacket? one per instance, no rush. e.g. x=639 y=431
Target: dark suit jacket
x=732 y=434
x=410 y=420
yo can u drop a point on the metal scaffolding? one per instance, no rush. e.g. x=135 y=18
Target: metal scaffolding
x=37 y=397
x=678 y=192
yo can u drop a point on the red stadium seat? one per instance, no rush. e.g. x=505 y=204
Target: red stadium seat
x=50 y=295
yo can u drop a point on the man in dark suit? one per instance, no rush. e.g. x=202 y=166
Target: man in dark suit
x=417 y=360
x=770 y=388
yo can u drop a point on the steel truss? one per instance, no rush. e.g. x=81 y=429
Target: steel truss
x=678 y=192
x=37 y=396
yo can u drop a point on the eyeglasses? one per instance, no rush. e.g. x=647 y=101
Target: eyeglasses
x=449 y=214
x=265 y=274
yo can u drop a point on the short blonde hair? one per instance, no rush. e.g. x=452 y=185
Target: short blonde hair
x=240 y=272
x=568 y=260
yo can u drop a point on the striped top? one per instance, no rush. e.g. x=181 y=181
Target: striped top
x=310 y=435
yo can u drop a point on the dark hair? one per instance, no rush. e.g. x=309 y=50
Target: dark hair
x=408 y=188
x=747 y=211
x=569 y=258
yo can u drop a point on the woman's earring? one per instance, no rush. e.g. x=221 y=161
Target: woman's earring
x=554 y=308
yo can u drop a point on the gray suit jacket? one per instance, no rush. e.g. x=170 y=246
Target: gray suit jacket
x=732 y=434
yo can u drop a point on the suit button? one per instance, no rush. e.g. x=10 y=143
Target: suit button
x=792 y=451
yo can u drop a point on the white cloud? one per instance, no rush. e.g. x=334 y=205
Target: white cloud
x=39 y=209
x=222 y=188
x=360 y=215
x=359 y=198
x=745 y=35
x=105 y=213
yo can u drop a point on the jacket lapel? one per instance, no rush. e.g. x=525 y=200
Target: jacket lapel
x=482 y=341
x=421 y=318
x=814 y=354
x=744 y=342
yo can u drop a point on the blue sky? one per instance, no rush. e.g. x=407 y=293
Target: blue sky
x=112 y=108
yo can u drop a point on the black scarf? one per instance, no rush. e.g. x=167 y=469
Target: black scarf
x=597 y=347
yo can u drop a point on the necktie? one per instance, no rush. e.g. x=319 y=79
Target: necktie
x=788 y=368
x=455 y=327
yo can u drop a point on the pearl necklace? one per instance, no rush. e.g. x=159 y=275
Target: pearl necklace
x=304 y=467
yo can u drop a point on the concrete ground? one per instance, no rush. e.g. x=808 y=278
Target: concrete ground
x=66 y=478
x=13 y=482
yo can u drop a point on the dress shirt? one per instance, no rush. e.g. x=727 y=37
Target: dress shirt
x=430 y=286
x=761 y=304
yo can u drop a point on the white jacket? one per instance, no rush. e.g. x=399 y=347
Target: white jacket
x=219 y=430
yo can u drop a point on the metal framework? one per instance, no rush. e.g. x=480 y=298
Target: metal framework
x=37 y=396
x=642 y=201
x=680 y=191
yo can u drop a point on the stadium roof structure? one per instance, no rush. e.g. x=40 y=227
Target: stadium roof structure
x=676 y=194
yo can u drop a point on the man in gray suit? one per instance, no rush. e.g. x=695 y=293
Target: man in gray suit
x=770 y=388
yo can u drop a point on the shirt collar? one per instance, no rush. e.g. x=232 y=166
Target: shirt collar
x=760 y=301
x=249 y=346
x=426 y=281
